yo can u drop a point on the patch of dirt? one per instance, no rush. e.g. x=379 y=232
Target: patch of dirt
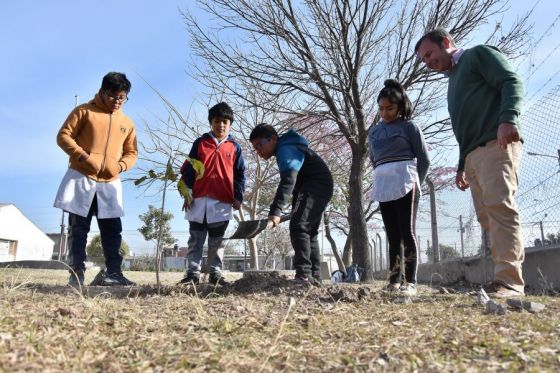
x=265 y=283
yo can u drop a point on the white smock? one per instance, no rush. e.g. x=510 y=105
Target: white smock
x=394 y=180
x=76 y=192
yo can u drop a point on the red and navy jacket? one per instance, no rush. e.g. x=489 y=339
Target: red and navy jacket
x=224 y=169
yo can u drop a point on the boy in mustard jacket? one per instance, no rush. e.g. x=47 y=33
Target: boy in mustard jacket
x=101 y=142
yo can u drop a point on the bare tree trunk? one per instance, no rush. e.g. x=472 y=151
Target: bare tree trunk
x=331 y=240
x=360 y=251
x=347 y=251
x=254 y=254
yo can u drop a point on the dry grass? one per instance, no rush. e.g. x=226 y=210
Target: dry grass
x=270 y=326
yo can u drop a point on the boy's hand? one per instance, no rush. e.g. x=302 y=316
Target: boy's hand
x=236 y=205
x=273 y=220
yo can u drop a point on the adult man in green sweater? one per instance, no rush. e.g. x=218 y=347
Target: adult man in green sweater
x=484 y=99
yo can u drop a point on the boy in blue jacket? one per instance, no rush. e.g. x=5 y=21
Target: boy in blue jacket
x=306 y=177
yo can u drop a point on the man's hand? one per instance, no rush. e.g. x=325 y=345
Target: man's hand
x=236 y=205
x=507 y=133
x=82 y=157
x=273 y=220
x=461 y=181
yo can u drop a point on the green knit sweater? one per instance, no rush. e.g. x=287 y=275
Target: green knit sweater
x=483 y=92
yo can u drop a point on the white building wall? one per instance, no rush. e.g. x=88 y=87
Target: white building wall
x=32 y=243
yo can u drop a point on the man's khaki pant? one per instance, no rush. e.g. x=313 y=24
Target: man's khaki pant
x=493 y=177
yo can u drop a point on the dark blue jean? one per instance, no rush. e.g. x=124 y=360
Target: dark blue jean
x=198 y=233
x=304 y=230
x=110 y=231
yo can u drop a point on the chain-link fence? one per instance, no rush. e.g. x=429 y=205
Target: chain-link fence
x=538 y=197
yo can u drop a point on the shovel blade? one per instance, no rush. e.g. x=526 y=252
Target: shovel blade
x=248 y=229
x=251 y=228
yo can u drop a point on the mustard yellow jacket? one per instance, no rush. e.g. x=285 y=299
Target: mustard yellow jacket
x=108 y=138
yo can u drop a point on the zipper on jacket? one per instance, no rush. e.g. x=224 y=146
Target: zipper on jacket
x=106 y=144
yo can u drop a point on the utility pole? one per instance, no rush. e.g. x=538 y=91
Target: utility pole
x=63 y=239
x=419 y=251
x=373 y=255
x=435 y=242
x=245 y=256
x=322 y=241
x=542 y=230
x=380 y=251
x=462 y=231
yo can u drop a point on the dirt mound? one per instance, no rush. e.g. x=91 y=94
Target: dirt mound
x=266 y=283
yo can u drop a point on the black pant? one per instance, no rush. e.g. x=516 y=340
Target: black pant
x=399 y=217
x=304 y=230
x=110 y=231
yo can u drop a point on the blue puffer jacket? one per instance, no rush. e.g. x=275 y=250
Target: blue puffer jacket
x=301 y=171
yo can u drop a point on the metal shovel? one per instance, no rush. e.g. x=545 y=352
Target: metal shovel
x=251 y=228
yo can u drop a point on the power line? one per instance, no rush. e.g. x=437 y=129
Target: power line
x=546 y=209
x=542 y=62
x=541 y=87
x=538 y=184
x=541 y=37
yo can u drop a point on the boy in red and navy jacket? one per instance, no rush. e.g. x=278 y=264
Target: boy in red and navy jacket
x=211 y=192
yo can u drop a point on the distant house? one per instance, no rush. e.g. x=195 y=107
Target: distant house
x=20 y=239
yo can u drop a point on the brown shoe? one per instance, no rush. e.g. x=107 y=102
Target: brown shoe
x=499 y=290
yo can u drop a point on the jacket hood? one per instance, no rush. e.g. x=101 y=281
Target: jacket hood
x=292 y=138
x=98 y=102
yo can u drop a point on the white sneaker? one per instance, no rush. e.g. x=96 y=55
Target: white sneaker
x=408 y=289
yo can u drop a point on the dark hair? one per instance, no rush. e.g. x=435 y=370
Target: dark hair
x=262 y=131
x=437 y=35
x=221 y=110
x=115 y=82
x=394 y=92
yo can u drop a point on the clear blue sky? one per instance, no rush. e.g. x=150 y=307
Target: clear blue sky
x=53 y=50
